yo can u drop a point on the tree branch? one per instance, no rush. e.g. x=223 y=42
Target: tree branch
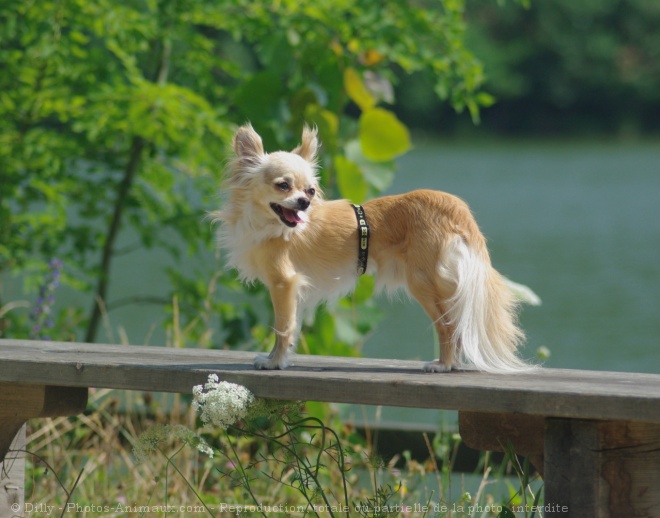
x=135 y=155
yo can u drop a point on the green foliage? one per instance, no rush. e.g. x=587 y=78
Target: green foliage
x=564 y=66
x=520 y=495
x=91 y=130
x=115 y=120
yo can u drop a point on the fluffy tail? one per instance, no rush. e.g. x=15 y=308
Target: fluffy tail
x=482 y=312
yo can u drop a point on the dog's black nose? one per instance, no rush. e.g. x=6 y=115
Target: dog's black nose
x=303 y=203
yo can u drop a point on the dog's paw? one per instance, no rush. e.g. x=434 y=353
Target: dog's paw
x=436 y=366
x=265 y=362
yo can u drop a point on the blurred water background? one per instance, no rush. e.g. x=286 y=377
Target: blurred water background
x=577 y=222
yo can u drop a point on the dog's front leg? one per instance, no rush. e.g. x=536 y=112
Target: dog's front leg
x=284 y=295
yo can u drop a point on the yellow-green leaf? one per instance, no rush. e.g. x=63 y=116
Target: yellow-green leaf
x=357 y=91
x=327 y=123
x=364 y=289
x=383 y=137
x=350 y=181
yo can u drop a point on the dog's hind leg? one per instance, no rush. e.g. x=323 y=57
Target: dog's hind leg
x=431 y=297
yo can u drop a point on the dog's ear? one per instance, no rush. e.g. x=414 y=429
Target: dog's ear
x=310 y=144
x=248 y=145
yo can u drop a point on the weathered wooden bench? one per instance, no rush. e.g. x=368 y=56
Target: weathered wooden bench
x=595 y=436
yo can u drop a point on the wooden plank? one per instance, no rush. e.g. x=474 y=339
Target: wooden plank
x=547 y=392
x=602 y=469
x=488 y=431
x=494 y=432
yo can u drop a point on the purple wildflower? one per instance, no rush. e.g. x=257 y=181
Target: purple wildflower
x=41 y=313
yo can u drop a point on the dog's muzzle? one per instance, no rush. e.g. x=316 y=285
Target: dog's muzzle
x=291 y=217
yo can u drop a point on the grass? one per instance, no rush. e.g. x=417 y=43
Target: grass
x=291 y=465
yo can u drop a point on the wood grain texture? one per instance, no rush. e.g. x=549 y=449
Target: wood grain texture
x=488 y=431
x=22 y=401
x=602 y=469
x=494 y=432
x=12 y=478
x=547 y=392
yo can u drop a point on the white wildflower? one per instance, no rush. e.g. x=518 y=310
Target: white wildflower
x=221 y=403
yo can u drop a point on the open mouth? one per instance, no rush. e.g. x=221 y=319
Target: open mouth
x=289 y=217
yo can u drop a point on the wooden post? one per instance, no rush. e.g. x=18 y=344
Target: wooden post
x=12 y=478
x=18 y=403
x=602 y=469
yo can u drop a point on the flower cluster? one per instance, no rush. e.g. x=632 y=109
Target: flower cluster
x=149 y=442
x=41 y=314
x=221 y=403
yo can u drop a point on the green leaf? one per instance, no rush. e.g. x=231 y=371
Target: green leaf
x=378 y=175
x=506 y=513
x=364 y=289
x=383 y=137
x=357 y=91
x=327 y=124
x=485 y=99
x=325 y=324
x=352 y=184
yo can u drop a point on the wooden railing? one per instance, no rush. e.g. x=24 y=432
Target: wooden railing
x=595 y=436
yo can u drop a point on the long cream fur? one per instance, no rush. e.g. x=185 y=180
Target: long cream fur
x=277 y=228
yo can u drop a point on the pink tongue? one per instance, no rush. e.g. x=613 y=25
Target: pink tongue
x=291 y=215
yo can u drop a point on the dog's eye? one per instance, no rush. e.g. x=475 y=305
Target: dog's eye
x=311 y=191
x=283 y=186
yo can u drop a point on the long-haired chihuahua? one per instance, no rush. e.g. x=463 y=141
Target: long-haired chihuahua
x=277 y=227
